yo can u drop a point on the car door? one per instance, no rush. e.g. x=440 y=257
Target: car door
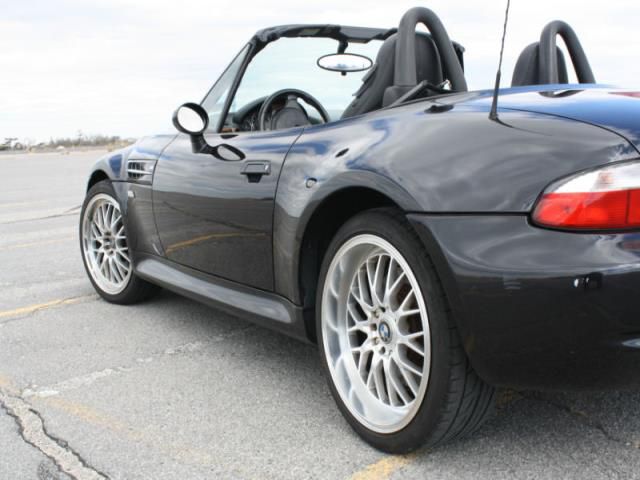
x=215 y=215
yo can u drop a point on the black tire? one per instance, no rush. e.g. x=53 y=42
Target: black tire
x=457 y=401
x=137 y=290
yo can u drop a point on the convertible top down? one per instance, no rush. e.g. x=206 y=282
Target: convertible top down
x=432 y=250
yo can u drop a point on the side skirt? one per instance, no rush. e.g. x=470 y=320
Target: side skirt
x=263 y=308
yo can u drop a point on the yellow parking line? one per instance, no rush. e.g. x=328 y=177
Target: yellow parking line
x=35 y=244
x=384 y=468
x=41 y=306
x=178 y=451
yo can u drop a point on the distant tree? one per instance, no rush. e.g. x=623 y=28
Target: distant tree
x=79 y=140
x=8 y=143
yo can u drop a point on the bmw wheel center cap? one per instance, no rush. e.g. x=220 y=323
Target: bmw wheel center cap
x=384 y=332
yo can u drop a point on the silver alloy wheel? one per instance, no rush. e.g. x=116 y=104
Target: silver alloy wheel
x=376 y=333
x=104 y=244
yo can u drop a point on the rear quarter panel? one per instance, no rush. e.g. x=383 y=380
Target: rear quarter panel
x=427 y=158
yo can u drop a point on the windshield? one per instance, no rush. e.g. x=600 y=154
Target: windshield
x=292 y=63
x=216 y=98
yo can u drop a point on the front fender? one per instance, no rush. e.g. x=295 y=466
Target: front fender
x=109 y=166
x=114 y=164
x=135 y=198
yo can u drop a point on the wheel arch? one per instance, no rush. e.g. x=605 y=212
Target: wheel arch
x=319 y=229
x=96 y=176
x=324 y=221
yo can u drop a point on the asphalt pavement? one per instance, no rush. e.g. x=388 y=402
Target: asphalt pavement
x=171 y=389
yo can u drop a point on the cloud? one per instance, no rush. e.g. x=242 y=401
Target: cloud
x=122 y=66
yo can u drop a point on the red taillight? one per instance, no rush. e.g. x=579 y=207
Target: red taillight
x=634 y=207
x=605 y=199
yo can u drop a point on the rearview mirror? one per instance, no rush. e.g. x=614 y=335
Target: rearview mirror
x=191 y=119
x=345 y=62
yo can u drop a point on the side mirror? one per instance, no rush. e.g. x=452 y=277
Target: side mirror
x=192 y=119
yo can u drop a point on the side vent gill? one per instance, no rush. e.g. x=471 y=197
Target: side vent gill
x=140 y=171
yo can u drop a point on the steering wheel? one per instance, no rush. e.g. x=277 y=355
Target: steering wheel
x=292 y=114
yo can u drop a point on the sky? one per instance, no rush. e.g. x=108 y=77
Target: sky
x=121 y=67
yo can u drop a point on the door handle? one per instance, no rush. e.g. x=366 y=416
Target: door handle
x=255 y=170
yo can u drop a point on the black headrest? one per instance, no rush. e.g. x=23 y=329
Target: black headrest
x=527 y=70
x=370 y=96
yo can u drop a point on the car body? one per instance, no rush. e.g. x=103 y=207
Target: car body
x=535 y=306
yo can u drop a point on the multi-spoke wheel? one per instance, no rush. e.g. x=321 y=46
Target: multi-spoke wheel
x=104 y=244
x=391 y=351
x=376 y=332
x=105 y=250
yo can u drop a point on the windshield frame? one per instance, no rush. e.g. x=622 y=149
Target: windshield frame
x=248 y=55
x=343 y=34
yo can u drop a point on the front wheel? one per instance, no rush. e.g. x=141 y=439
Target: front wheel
x=387 y=341
x=105 y=249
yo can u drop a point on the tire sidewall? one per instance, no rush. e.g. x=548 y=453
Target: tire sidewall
x=391 y=226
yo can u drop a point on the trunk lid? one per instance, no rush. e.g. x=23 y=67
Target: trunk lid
x=614 y=109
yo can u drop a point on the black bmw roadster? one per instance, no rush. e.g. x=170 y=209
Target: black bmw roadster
x=435 y=242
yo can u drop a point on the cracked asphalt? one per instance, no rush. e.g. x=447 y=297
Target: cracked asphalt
x=172 y=389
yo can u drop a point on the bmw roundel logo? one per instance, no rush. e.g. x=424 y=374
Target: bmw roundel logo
x=384 y=331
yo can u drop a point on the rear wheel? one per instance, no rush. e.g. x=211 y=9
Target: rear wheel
x=388 y=344
x=105 y=249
